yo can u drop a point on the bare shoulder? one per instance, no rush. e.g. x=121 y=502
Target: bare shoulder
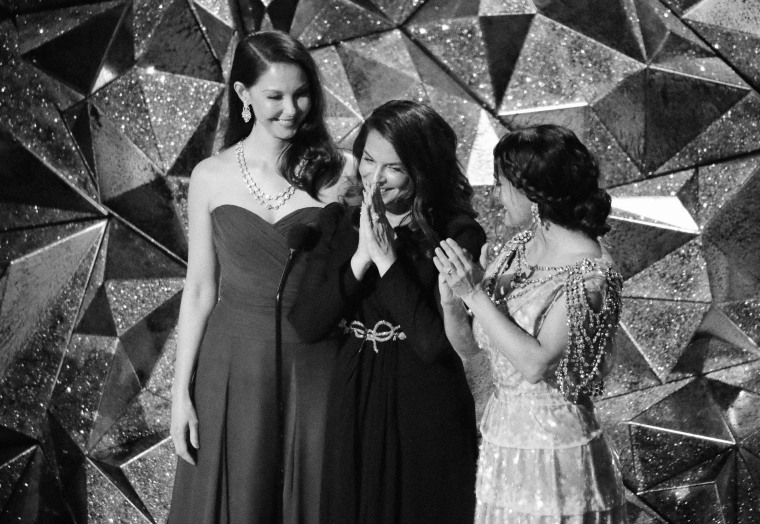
x=211 y=168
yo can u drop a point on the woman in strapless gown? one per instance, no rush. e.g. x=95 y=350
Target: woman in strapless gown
x=546 y=315
x=277 y=164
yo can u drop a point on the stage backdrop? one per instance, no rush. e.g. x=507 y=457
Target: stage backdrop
x=106 y=107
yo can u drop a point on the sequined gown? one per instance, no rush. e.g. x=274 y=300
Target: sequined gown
x=235 y=479
x=542 y=458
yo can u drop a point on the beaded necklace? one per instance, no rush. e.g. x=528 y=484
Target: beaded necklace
x=522 y=282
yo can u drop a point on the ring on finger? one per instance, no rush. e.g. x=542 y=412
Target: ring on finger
x=450 y=270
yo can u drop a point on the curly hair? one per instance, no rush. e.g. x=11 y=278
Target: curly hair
x=552 y=167
x=426 y=145
x=312 y=160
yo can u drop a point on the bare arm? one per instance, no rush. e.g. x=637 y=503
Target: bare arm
x=533 y=357
x=457 y=322
x=198 y=299
x=458 y=327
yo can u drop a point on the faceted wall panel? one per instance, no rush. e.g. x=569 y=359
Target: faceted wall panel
x=105 y=108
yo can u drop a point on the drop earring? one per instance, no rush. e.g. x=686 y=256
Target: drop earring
x=536 y=215
x=246 y=113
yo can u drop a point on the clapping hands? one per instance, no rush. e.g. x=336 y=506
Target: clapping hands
x=459 y=276
x=376 y=236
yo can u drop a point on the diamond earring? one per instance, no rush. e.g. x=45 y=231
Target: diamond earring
x=246 y=113
x=536 y=215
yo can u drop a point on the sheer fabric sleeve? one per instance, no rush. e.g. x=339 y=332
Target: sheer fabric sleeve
x=328 y=287
x=414 y=305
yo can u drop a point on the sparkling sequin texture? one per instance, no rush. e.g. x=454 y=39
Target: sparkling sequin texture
x=105 y=109
x=543 y=454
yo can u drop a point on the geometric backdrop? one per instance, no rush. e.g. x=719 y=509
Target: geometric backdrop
x=105 y=107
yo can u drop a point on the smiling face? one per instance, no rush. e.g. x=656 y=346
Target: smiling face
x=280 y=99
x=380 y=164
x=516 y=204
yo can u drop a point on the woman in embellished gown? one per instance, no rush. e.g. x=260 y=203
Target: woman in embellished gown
x=546 y=314
x=401 y=440
x=277 y=163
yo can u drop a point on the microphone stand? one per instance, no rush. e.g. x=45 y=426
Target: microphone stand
x=278 y=383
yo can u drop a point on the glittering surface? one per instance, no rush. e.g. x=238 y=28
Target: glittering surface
x=96 y=152
x=152 y=475
x=342 y=111
x=177 y=45
x=459 y=44
x=123 y=102
x=177 y=105
x=44 y=287
x=33 y=196
x=681 y=275
x=320 y=23
x=28 y=113
x=380 y=68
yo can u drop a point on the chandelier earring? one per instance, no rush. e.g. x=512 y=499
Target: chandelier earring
x=246 y=112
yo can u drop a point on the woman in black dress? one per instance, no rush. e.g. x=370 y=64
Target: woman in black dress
x=401 y=442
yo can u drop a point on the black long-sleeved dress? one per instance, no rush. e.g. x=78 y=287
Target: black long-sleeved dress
x=401 y=443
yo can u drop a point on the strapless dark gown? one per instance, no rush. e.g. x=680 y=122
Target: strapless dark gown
x=235 y=479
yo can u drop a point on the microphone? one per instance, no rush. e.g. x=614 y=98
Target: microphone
x=301 y=237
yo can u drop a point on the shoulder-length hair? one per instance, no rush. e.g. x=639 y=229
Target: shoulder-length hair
x=312 y=160
x=426 y=145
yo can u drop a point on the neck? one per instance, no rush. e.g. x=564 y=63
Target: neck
x=264 y=146
x=554 y=236
x=395 y=220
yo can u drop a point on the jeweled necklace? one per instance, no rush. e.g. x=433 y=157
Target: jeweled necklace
x=266 y=200
x=522 y=281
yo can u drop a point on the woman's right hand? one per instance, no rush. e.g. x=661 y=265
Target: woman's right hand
x=184 y=424
x=361 y=261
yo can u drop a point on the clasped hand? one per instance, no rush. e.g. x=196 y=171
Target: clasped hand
x=459 y=276
x=376 y=236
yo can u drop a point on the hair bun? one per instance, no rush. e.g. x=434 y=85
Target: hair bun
x=592 y=213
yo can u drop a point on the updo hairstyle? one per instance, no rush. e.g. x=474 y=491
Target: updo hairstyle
x=550 y=165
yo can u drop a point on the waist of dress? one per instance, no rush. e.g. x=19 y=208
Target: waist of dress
x=537 y=421
x=540 y=394
x=247 y=320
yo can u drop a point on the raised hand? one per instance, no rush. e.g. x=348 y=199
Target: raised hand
x=457 y=268
x=379 y=235
x=448 y=298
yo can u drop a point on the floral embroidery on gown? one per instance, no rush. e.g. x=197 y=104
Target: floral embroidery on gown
x=544 y=459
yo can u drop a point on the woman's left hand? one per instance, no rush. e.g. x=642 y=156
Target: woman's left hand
x=379 y=235
x=456 y=266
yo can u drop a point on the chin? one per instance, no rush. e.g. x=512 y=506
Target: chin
x=389 y=198
x=286 y=134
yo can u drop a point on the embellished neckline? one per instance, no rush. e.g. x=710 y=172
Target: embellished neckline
x=523 y=282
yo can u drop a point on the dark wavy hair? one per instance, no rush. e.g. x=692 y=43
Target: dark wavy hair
x=426 y=145
x=552 y=167
x=254 y=55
